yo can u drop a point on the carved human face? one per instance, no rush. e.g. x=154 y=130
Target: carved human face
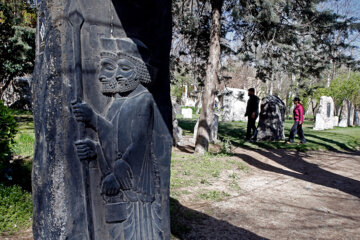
x=117 y=75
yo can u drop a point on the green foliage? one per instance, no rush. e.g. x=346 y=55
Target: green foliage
x=337 y=139
x=17 y=46
x=344 y=87
x=15 y=209
x=7 y=133
x=292 y=36
x=214 y=195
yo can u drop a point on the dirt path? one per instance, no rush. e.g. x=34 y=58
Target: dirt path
x=285 y=195
x=282 y=195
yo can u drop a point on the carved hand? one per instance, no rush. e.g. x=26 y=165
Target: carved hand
x=83 y=112
x=86 y=149
x=110 y=186
x=124 y=174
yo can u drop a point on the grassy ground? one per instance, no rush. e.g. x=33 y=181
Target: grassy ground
x=200 y=174
x=15 y=191
x=337 y=139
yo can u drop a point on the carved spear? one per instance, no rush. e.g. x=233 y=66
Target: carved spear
x=76 y=20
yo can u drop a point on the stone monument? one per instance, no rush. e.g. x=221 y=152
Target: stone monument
x=103 y=120
x=18 y=94
x=272 y=119
x=177 y=130
x=325 y=118
x=357 y=118
x=234 y=103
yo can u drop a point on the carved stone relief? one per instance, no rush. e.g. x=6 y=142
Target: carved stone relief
x=102 y=121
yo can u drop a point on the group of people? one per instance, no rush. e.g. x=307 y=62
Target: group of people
x=252 y=112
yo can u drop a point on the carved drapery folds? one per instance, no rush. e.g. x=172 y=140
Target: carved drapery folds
x=102 y=120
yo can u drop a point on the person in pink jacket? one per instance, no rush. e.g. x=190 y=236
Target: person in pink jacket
x=298 y=122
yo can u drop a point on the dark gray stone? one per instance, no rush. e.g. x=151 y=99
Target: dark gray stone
x=103 y=120
x=272 y=119
x=18 y=94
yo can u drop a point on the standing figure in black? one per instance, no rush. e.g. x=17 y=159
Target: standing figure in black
x=252 y=112
x=126 y=136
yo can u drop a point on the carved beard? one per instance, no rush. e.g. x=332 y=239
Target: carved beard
x=111 y=86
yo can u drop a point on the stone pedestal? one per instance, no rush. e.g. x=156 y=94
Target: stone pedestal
x=272 y=119
x=234 y=103
x=103 y=120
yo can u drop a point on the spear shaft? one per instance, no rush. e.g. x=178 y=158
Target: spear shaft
x=77 y=20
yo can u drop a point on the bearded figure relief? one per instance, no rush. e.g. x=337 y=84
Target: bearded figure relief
x=124 y=148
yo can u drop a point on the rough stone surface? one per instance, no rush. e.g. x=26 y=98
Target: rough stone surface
x=234 y=102
x=186 y=113
x=114 y=182
x=357 y=118
x=343 y=122
x=325 y=118
x=177 y=131
x=272 y=119
x=214 y=129
x=18 y=94
x=347 y=116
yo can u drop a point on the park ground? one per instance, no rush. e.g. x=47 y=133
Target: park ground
x=240 y=190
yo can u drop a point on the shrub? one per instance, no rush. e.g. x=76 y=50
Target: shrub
x=7 y=133
x=15 y=209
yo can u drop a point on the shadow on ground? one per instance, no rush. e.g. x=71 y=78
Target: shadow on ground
x=188 y=224
x=18 y=173
x=304 y=170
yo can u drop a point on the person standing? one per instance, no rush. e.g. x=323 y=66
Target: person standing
x=252 y=112
x=298 y=122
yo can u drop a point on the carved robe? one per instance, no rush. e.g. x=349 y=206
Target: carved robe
x=127 y=134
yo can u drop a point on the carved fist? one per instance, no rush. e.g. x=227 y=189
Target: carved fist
x=86 y=149
x=110 y=186
x=124 y=174
x=83 y=112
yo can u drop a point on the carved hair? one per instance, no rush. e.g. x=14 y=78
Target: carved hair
x=142 y=70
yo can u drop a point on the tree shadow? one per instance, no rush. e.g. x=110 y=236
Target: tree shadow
x=304 y=170
x=188 y=224
x=186 y=149
x=339 y=144
x=187 y=124
x=18 y=173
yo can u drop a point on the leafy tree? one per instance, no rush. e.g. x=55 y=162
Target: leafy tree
x=275 y=36
x=7 y=134
x=293 y=36
x=17 y=47
x=344 y=89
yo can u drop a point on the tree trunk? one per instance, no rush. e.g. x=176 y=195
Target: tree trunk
x=349 y=107
x=271 y=84
x=208 y=96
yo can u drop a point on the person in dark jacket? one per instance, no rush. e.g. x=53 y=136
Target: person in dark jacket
x=298 y=122
x=252 y=112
